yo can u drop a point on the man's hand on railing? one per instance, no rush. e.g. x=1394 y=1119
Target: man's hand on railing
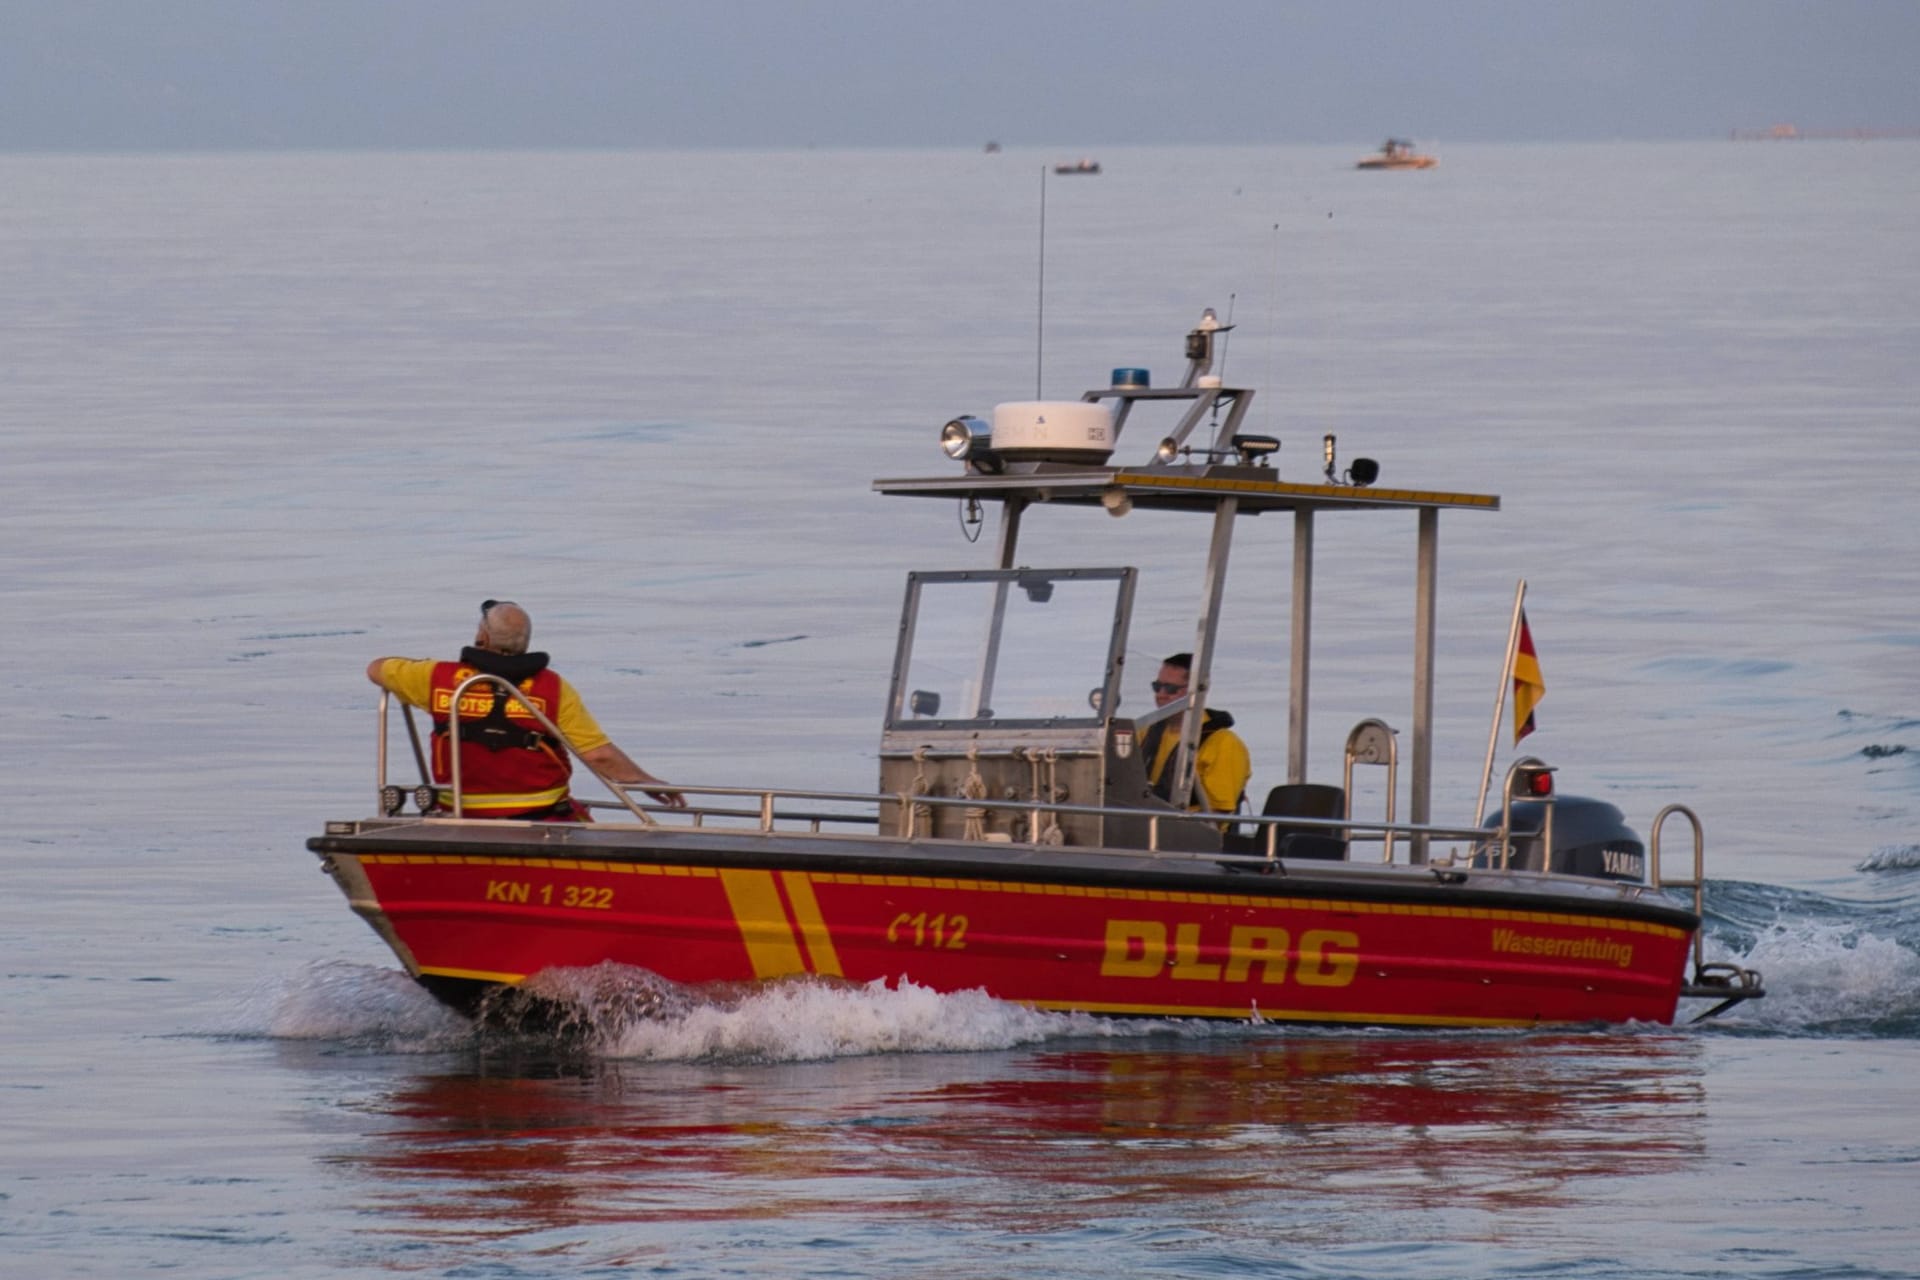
x=613 y=764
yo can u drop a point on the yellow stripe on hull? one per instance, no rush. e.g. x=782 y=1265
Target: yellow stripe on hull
x=813 y=925
x=476 y=975
x=772 y=947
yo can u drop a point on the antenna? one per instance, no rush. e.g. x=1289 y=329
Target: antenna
x=1273 y=330
x=1227 y=329
x=1040 y=320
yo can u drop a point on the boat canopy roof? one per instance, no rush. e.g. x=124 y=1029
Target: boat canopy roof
x=1178 y=488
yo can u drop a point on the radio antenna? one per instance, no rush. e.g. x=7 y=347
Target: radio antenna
x=1227 y=333
x=1040 y=318
x=1273 y=331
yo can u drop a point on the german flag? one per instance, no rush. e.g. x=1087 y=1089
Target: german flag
x=1528 y=686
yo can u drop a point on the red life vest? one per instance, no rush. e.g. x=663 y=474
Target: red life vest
x=509 y=766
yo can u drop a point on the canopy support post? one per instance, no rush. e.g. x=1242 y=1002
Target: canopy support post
x=1421 y=798
x=1010 y=511
x=1299 y=649
x=1201 y=677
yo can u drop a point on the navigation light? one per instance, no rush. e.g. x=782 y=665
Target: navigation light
x=968 y=439
x=960 y=437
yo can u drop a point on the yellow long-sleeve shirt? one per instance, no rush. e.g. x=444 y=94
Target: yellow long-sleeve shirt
x=1221 y=769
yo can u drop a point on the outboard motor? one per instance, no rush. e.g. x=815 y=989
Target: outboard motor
x=1590 y=838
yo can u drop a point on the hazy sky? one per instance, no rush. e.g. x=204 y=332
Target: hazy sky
x=140 y=74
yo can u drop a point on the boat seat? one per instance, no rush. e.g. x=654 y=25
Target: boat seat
x=1304 y=800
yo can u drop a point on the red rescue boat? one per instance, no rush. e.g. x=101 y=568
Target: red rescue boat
x=1014 y=845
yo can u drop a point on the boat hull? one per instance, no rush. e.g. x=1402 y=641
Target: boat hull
x=1102 y=935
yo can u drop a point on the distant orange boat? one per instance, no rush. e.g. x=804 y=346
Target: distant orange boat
x=1397 y=153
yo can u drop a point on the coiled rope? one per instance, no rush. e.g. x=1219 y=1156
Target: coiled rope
x=917 y=818
x=974 y=788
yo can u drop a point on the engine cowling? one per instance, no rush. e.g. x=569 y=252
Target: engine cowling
x=1590 y=838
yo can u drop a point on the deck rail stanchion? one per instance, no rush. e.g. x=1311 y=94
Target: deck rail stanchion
x=1727 y=983
x=392 y=796
x=1372 y=742
x=1525 y=766
x=380 y=753
x=1697 y=882
x=413 y=738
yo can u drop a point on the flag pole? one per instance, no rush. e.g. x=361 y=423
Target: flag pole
x=1500 y=697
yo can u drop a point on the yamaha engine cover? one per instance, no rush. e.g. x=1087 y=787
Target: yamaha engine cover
x=1590 y=838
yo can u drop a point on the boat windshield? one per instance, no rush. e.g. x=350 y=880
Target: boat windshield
x=1010 y=647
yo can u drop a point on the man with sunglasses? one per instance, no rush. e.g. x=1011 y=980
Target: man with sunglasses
x=510 y=766
x=1221 y=765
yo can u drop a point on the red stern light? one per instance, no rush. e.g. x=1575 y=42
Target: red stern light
x=1538 y=782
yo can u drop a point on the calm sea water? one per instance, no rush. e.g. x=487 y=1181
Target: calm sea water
x=268 y=416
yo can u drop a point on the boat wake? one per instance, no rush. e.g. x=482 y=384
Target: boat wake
x=358 y=1006
x=629 y=1013
x=613 y=1011
x=1835 y=967
x=1892 y=857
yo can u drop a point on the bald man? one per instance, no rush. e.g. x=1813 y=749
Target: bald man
x=510 y=767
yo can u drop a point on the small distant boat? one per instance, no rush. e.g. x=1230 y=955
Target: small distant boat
x=1397 y=153
x=993 y=148
x=1082 y=165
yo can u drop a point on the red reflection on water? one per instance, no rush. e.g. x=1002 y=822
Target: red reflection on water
x=1038 y=1139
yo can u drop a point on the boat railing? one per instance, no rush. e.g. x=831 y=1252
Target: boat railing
x=819 y=810
x=1727 y=983
x=1696 y=882
x=1372 y=742
x=768 y=810
x=1526 y=772
x=771 y=807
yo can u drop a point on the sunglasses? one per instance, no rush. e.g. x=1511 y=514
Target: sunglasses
x=486 y=607
x=1161 y=686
